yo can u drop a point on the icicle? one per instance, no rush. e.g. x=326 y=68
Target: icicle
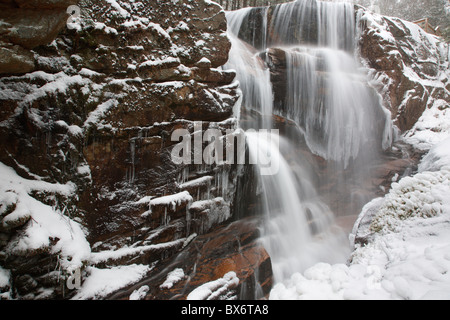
x=133 y=154
x=225 y=184
x=185 y=174
x=188 y=218
x=216 y=180
x=164 y=222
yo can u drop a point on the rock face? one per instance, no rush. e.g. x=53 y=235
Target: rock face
x=408 y=65
x=26 y=25
x=88 y=110
x=98 y=114
x=233 y=248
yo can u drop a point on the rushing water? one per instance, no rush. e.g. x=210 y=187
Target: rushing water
x=336 y=114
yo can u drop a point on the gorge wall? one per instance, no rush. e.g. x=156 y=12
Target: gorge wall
x=88 y=108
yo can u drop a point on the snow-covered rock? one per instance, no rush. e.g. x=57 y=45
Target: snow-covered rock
x=87 y=135
x=102 y=282
x=409 y=66
x=216 y=290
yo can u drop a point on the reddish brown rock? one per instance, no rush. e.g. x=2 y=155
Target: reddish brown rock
x=232 y=248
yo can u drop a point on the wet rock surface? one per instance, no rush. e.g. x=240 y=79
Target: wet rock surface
x=231 y=248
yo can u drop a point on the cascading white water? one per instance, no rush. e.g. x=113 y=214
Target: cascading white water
x=336 y=25
x=328 y=97
x=329 y=24
x=330 y=101
x=298 y=230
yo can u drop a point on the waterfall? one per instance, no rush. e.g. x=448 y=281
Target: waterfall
x=330 y=101
x=336 y=115
x=298 y=230
x=250 y=68
x=329 y=24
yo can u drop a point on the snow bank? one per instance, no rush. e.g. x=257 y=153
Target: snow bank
x=5 y=283
x=96 y=116
x=329 y=282
x=171 y=201
x=421 y=196
x=216 y=211
x=361 y=228
x=111 y=255
x=376 y=22
x=157 y=27
x=161 y=63
x=437 y=158
x=118 y=9
x=59 y=82
x=202 y=181
x=4 y=278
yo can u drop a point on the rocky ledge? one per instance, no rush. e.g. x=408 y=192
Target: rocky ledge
x=407 y=64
